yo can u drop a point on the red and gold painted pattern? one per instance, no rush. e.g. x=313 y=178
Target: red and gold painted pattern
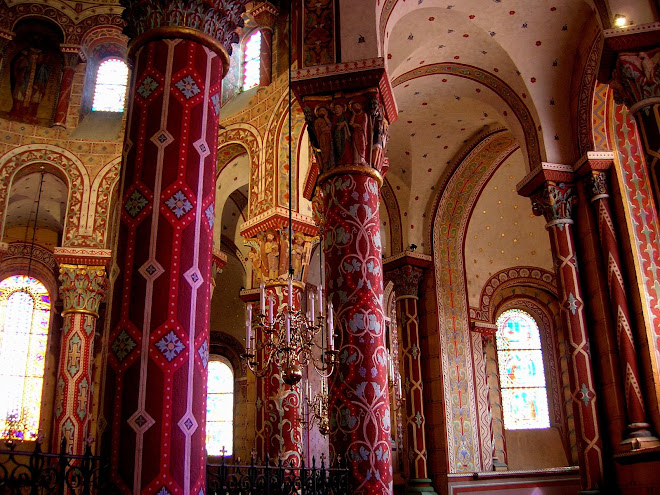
x=410 y=363
x=642 y=219
x=82 y=289
x=359 y=397
x=449 y=226
x=159 y=333
x=636 y=412
x=279 y=431
x=554 y=201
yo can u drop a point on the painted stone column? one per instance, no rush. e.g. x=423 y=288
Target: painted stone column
x=278 y=426
x=596 y=177
x=71 y=55
x=349 y=133
x=160 y=317
x=82 y=288
x=553 y=196
x=406 y=281
x=279 y=420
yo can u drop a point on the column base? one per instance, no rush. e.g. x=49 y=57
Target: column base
x=639 y=438
x=419 y=485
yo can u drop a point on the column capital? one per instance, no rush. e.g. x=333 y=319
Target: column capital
x=72 y=54
x=82 y=288
x=626 y=45
x=406 y=280
x=267 y=235
x=405 y=270
x=212 y=23
x=594 y=168
x=550 y=187
x=348 y=108
x=636 y=79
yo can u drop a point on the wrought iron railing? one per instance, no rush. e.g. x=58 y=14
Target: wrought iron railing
x=268 y=479
x=40 y=473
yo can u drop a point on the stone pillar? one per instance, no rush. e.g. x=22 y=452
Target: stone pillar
x=82 y=288
x=278 y=426
x=280 y=422
x=595 y=171
x=160 y=316
x=71 y=55
x=348 y=131
x=553 y=196
x=406 y=279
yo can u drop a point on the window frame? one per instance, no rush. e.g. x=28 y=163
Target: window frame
x=223 y=359
x=243 y=63
x=97 y=69
x=46 y=395
x=543 y=362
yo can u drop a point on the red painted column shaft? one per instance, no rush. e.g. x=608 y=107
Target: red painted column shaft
x=359 y=397
x=82 y=289
x=406 y=285
x=555 y=201
x=160 y=316
x=278 y=421
x=635 y=410
x=66 y=84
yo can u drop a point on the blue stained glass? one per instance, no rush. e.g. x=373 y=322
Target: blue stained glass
x=24 y=320
x=522 y=378
x=219 y=407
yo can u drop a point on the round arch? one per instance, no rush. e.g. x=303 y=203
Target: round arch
x=77 y=179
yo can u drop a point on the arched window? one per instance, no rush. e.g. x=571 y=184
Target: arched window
x=110 y=89
x=252 y=61
x=220 y=407
x=522 y=380
x=24 y=321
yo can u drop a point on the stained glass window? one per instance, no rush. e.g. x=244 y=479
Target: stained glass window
x=252 y=61
x=110 y=90
x=24 y=320
x=522 y=380
x=220 y=407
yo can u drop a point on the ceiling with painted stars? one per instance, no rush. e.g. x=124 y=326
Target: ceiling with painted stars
x=529 y=50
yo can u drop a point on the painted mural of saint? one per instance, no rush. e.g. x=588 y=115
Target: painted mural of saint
x=29 y=73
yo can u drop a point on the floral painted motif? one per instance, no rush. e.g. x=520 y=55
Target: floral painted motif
x=353 y=267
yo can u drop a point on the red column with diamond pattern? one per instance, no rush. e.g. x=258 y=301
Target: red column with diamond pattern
x=82 y=289
x=160 y=315
x=554 y=200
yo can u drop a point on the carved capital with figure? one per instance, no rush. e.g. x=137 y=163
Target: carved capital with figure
x=211 y=22
x=82 y=288
x=636 y=78
x=555 y=202
x=347 y=129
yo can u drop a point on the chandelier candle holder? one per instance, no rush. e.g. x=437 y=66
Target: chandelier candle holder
x=289 y=337
x=314 y=408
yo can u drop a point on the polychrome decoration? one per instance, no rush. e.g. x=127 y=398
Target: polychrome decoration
x=24 y=316
x=522 y=380
x=219 y=408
